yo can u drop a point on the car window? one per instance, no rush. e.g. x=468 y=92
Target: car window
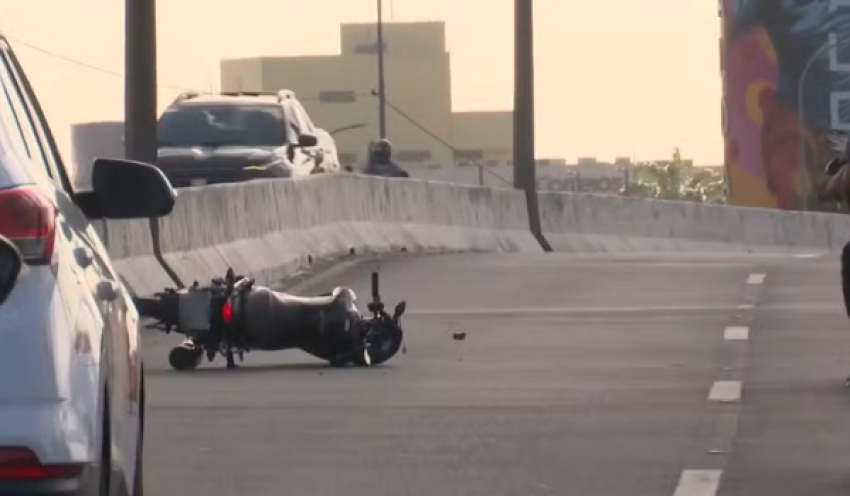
x=304 y=121
x=222 y=125
x=43 y=153
x=15 y=121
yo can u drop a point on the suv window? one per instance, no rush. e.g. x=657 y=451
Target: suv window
x=222 y=125
x=303 y=117
x=39 y=145
x=47 y=149
x=16 y=118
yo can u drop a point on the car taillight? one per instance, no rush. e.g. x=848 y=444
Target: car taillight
x=227 y=313
x=28 y=219
x=22 y=464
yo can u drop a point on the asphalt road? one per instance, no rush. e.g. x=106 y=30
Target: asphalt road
x=585 y=376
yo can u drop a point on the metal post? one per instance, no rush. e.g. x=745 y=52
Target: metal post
x=524 y=166
x=382 y=98
x=523 y=94
x=140 y=80
x=140 y=100
x=801 y=115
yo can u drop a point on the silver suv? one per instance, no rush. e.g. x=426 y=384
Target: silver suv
x=72 y=391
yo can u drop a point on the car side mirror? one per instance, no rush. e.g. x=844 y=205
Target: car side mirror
x=11 y=264
x=307 y=140
x=125 y=189
x=834 y=166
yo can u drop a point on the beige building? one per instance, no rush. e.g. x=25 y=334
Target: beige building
x=339 y=91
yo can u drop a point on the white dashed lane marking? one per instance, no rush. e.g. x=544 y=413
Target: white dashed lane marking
x=699 y=483
x=756 y=279
x=725 y=391
x=736 y=333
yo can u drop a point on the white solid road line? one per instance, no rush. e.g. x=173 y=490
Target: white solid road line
x=736 y=333
x=698 y=483
x=569 y=310
x=756 y=278
x=745 y=307
x=725 y=391
x=808 y=255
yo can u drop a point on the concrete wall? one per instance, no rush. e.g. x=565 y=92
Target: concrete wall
x=337 y=91
x=593 y=179
x=273 y=229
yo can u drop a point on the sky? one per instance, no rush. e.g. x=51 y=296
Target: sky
x=633 y=78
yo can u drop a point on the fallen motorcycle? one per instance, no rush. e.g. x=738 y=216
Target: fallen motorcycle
x=232 y=316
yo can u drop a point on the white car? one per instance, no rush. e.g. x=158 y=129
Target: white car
x=71 y=378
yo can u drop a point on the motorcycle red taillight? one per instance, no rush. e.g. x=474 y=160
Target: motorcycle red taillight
x=227 y=313
x=22 y=464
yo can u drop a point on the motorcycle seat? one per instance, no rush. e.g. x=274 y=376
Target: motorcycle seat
x=340 y=296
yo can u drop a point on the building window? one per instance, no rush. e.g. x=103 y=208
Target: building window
x=469 y=154
x=465 y=158
x=369 y=48
x=413 y=155
x=337 y=96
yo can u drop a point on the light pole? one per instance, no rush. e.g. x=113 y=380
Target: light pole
x=382 y=101
x=801 y=115
x=524 y=166
x=140 y=80
x=523 y=94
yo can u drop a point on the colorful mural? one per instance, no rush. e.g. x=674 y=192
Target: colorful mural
x=783 y=60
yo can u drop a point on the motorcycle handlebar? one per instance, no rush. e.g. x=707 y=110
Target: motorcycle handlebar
x=147 y=307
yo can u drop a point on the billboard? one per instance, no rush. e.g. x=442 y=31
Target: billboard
x=90 y=140
x=786 y=97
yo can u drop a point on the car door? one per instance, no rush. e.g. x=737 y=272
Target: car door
x=115 y=321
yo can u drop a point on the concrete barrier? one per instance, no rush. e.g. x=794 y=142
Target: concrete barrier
x=272 y=229
x=602 y=223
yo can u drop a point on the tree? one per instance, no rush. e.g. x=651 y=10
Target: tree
x=676 y=179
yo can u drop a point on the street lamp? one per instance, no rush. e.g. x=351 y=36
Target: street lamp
x=382 y=102
x=801 y=115
x=140 y=80
x=523 y=121
x=349 y=127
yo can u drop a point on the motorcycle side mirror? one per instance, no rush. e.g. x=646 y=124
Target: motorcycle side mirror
x=399 y=310
x=833 y=166
x=11 y=264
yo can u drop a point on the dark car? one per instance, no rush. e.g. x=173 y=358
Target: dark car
x=232 y=137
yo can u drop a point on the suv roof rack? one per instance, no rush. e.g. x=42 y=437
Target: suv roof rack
x=281 y=95
x=186 y=95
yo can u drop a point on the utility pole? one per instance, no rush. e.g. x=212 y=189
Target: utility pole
x=382 y=98
x=140 y=80
x=524 y=166
x=524 y=173
x=140 y=100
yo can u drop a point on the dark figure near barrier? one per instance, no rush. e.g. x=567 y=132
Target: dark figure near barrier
x=381 y=160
